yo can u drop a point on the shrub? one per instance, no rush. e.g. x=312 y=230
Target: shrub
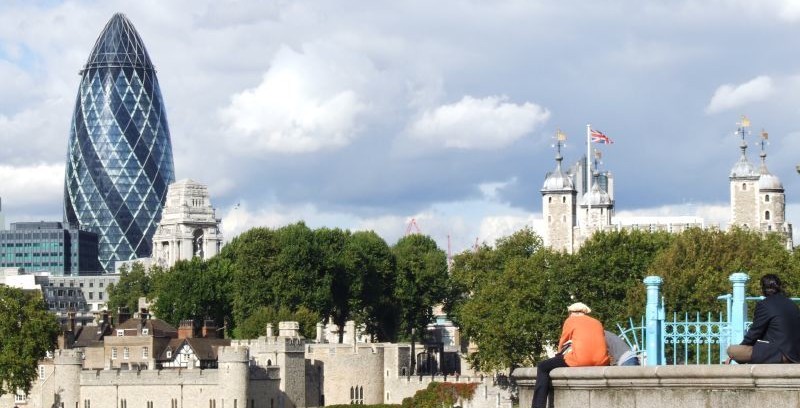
x=439 y=395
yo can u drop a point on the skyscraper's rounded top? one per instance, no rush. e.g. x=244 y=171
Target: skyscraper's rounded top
x=119 y=45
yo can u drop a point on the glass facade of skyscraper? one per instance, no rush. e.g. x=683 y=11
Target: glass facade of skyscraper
x=119 y=160
x=48 y=247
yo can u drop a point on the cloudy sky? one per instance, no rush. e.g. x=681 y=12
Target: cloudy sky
x=364 y=114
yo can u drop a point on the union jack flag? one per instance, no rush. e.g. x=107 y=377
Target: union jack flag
x=599 y=137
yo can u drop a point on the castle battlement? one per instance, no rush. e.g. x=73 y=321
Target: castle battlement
x=156 y=377
x=272 y=344
x=233 y=354
x=344 y=349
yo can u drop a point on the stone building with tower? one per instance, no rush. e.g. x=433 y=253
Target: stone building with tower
x=189 y=226
x=573 y=210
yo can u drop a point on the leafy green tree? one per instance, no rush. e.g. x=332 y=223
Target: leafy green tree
x=609 y=269
x=27 y=332
x=372 y=284
x=255 y=325
x=133 y=283
x=509 y=300
x=421 y=283
x=335 y=275
x=696 y=266
x=194 y=290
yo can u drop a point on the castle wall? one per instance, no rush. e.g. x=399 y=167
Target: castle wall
x=288 y=354
x=349 y=369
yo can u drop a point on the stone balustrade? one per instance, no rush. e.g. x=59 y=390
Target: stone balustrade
x=768 y=385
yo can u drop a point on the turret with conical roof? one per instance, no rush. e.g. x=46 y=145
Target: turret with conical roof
x=559 y=204
x=771 y=199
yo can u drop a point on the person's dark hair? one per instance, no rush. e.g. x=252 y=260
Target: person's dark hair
x=770 y=284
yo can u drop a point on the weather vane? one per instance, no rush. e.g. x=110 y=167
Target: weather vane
x=561 y=138
x=744 y=128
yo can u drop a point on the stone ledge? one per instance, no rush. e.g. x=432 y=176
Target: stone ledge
x=692 y=385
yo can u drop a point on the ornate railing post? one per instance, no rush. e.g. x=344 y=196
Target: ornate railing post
x=653 y=322
x=738 y=313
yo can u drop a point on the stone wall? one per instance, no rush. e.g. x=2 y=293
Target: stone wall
x=769 y=385
x=345 y=367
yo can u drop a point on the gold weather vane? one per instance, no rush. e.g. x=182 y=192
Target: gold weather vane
x=764 y=134
x=560 y=136
x=745 y=122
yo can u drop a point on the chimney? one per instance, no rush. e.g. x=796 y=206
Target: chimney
x=209 y=330
x=71 y=321
x=122 y=315
x=269 y=329
x=186 y=329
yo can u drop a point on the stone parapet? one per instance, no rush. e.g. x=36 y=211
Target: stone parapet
x=681 y=386
x=154 y=377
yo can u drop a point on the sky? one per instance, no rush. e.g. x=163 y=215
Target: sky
x=364 y=115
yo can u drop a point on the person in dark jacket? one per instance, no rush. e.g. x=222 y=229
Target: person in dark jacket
x=774 y=336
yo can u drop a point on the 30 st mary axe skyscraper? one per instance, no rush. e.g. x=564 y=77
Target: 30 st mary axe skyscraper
x=119 y=159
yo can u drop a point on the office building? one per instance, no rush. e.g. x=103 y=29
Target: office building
x=119 y=161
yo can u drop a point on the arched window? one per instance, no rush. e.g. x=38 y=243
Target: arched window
x=352 y=394
x=549 y=219
x=744 y=186
x=766 y=198
x=563 y=199
x=563 y=218
x=549 y=199
x=766 y=215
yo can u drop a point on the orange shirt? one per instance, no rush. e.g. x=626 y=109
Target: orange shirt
x=588 y=341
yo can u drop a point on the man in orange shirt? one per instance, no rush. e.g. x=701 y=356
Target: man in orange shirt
x=582 y=343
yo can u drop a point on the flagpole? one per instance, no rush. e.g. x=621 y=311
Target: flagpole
x=588 y=169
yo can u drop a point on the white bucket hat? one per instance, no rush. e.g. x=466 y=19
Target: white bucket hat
x=579 y=307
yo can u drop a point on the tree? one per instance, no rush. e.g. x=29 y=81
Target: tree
x=255 y=325
x=372 y=284
x=421 y=282
x=695 y=267
x=194 y=290
x=609 y=269
x=27 y=332
x=336 y=275
x=133 y=283
x=509 y=300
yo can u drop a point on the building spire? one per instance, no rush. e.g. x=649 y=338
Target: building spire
x=742 y=168
x=763 y=155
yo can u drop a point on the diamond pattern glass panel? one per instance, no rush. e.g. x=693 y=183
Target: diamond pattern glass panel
x=119 y=162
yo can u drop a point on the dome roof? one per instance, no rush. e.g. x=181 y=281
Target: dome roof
x=597 y=197
x=743 y=168
x=769 y=182
x=557 y=180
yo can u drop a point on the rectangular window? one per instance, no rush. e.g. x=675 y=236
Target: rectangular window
x=145 y=352
x=120 y=333
x=87 y=404
x=20 y=397
x=100 y=295
x=126 y=353
x=113 y=353
x=91 y=295
x=42 y=372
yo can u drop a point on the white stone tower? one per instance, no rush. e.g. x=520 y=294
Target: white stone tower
x=559 y=205
x=596 y=209
x=189 y=227
x=744 y=186
x=772 y=199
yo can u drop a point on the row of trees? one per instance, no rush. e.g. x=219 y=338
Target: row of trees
x=511 y=299
x=296 y=273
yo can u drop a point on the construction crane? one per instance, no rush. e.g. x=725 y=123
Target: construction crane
x=412 y=227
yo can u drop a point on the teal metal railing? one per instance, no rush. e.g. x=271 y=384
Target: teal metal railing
x=694 y=339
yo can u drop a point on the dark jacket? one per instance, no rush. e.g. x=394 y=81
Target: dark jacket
x=775 y=331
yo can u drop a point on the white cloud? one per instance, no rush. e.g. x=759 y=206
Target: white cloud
x=305 y=102
x=31 y=186
x=472 y=123
x=731 y=96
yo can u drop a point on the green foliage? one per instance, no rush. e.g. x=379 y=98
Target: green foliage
x=194 y=290
x=255 y=325
x=421 y=280
x=509 y=300
x=133 y=283
x=27 y=332
x=441 y=395
x=696 y=266
x=609 y=269
x=372 y=265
